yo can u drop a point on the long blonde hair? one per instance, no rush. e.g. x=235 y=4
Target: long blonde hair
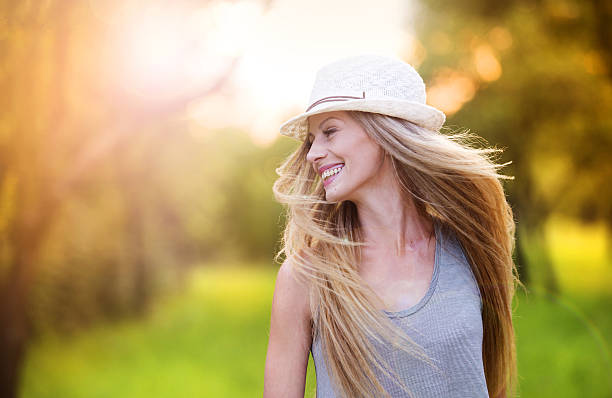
x=449 y=180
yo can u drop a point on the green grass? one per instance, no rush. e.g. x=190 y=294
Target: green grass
x=210 y=340
x=563 y=341
x=563 y=346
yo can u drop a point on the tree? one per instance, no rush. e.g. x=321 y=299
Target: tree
x=534 y=79
x=64 y=116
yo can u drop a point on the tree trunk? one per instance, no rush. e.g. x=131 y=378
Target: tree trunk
x=14 y=336
x=541 y=267
x=609 y=237
x=534 y=263
x=15 y=328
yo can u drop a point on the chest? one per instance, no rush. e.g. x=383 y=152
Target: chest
x=399 y=282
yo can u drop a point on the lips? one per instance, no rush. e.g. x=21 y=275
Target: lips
x=331 y=174
x=329 y=166
x=331 y=171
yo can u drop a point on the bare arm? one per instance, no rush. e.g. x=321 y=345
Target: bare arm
x=290 y=337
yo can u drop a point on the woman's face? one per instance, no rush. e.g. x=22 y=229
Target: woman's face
x=345 y=157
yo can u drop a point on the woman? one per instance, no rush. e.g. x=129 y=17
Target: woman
x=398 y=274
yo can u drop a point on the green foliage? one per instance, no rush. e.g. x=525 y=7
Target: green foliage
x=549 y=107
x=205 y=198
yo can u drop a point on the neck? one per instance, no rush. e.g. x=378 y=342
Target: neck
x=390 y=221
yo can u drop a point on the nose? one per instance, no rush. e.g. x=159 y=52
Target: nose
x=316 y=152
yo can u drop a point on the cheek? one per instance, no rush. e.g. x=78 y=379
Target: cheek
x=372 y=156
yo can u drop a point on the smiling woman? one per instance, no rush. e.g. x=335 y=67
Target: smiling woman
x=398 y=274
x=340 y=143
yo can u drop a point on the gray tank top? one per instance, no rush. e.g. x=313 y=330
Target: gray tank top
x=446 y=322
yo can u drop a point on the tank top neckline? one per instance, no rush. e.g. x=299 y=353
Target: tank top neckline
x=432 y=285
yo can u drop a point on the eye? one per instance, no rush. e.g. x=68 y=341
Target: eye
x=329 y=131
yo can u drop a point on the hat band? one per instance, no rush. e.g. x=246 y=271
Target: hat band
x=332 y=99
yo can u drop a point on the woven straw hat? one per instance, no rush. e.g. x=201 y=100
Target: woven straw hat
x=368 y=83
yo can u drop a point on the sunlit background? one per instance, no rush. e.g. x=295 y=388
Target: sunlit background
x=138 y=147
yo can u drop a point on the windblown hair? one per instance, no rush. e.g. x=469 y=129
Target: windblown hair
x=449 y=180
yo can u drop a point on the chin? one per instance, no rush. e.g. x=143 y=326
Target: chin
x=330 y=197
x=334 y=196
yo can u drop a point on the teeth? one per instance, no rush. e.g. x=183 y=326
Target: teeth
x=331 y=172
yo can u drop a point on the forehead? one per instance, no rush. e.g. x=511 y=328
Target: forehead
x=315 y=121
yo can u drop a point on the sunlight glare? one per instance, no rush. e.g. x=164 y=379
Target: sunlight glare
x=233 y=26
x=170 y=48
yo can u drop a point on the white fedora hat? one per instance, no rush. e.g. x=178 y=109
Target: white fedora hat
x=368 y=83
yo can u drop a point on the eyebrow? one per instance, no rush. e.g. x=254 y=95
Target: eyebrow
x=321 y=124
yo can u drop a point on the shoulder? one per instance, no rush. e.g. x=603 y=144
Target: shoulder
x=291 y=292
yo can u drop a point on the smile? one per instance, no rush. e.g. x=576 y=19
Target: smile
x=330 y=172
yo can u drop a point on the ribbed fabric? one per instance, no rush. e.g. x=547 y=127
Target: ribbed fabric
x=446 y=322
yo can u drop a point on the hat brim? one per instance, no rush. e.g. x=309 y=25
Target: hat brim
x=421 y=114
